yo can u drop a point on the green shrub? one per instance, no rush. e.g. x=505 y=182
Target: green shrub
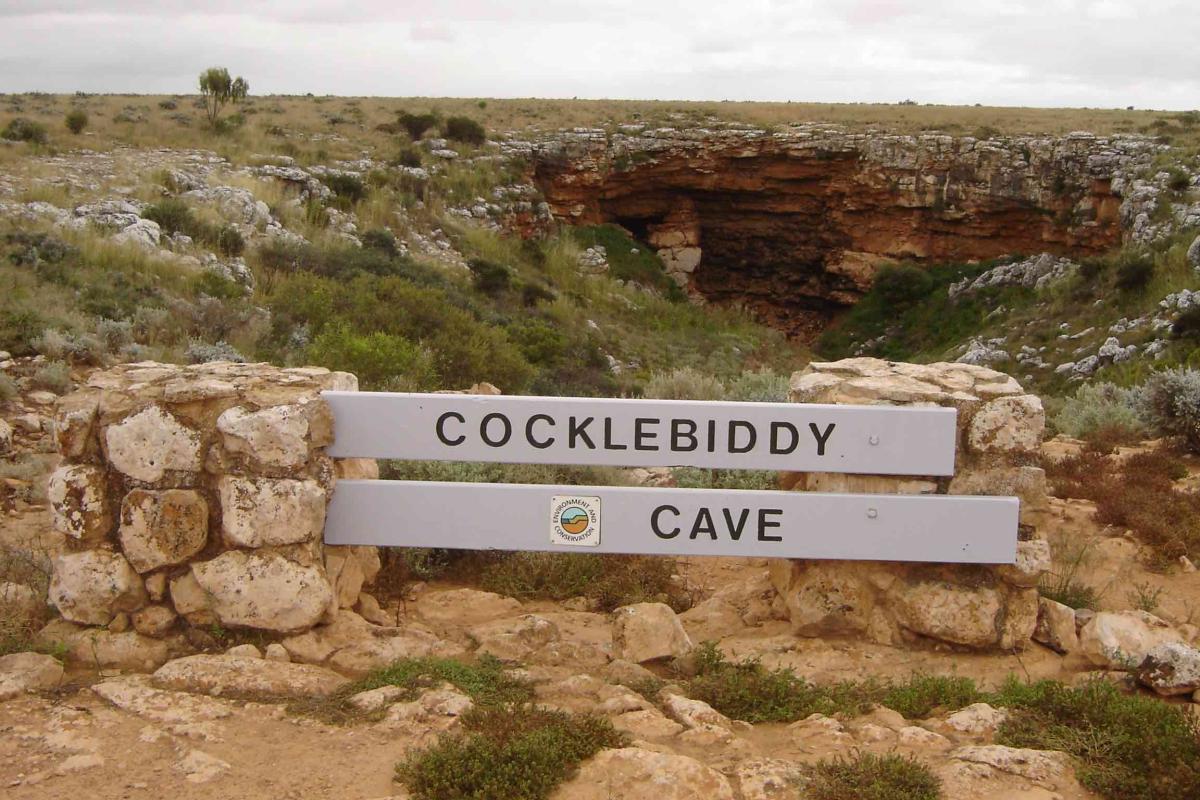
x=1178 y=179
x=608 y=580
x=1068 y=591
x=464 y=129
x=20 y=129
x=490 y=278
x=748 y=691
x=866 y=776
x=54 y=376
x=1187 y=324
x=173 y=216
x=1127 y=746
x=506 y=754
x=1173 y=404
x=902 y=284
x=229 y=241
x=408 y=157
x=381 y=239
x=8 y=387
x=381 y=361
x=416 y=124
x=761 y=386
x=628 y=259
x=76 y=120
x=1103 y=409
x=684 y=384
x=1134 y=271
x=348 y=187
x=19 y=328
x=923 y=695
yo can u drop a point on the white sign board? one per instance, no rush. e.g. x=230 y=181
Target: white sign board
x=701 y=522
x=880 y=440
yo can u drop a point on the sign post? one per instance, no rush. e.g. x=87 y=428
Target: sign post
x=880 y=440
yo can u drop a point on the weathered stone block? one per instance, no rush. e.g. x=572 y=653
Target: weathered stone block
x=264 y=590
x=648 y=631
x=258 y=512
x=78 y=495
x=1008 y=425
x=271 y=437
x=75 y=422
x=91 y=587
x=151 y=443
x=952 y=613
x=160 y=528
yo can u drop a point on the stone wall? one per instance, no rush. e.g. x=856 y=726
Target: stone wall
x=195 y=496
x=999 y=433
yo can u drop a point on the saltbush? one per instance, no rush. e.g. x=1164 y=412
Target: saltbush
x=464 y=129
x=20 y=129
x=229 y=241
x=1103 y=410
x=381 y=239
x=202 y=353
x=684 y=383
x=416 y=124
x=1134 y=271
x=381 y=361
x=8 y=387
x=866 y=776
x=54 y=377
x=76 y=120
x=1187 y=324
x=348 y=187
x=1172 y=399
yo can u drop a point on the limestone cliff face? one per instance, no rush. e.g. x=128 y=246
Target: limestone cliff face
x=795 y=224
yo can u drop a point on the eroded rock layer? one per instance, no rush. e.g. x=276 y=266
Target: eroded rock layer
x=795 y=224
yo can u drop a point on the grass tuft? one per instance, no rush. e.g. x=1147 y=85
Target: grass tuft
x=865 y=776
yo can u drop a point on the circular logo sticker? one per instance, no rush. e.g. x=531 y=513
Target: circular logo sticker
x=575 y=521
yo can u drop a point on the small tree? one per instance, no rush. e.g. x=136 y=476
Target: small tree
x=76 y=120
x=219 y=89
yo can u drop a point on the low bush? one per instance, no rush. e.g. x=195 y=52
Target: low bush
x=408 y=157
x=199 y=352
x=416 y=124
x=507 y=754
x=381 y=239
x=1172 y=400
x=76 y=120
x=609 y=581
x=381 y=361
x=173 y=216
x=490 y=278
x=684 y=383
x=903 y=284
x=1127 y=746
x=53 y=377
x=866 y=776
x=761 y=386
x=464 y=129
x=8 y=387
x=229 y=241
x=20 y=129
x=1134 y=271
x=924 y=695
x=1105 y=412
x=1178 y=179
x=1187 y=324
x=348 y=187
x=1069 y=591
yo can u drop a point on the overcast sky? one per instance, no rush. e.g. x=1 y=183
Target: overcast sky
x=1110 y=53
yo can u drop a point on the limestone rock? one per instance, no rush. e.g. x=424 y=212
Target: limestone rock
x=276 y=652
x=23 y=672
x=6 y=438
x=219 y=675
x=201 y=767
x=78 y=495
x=154 y=621
x=244 y=651
x=632 y=773
x=823 y=597
x=647 y=723
x=1033 y=559
x=768 y=779
x=191 y=601
x=516 y=638
x=75 y=422
x=465 y=607
x=1008 y=424
x=161 y=528
x=1034 y=765
x=273 y=437
x=92 y=586
x=977 y=719
x=693 y=713
x=1171 y=669
x=265 y=512
x=1122 y=640
x=349 y=569
x=98 y=648
x=1056 y=626
x=958 y=614
x=263 y=590
x=648 y=631
x=20 y=605
x=151 y=443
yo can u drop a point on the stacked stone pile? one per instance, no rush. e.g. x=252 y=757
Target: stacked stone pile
x=193 y=496
x=999 y=434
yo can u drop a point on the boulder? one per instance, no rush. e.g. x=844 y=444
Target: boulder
x=263 y=590
x=151 y=443
x=224 y=674
x=1171 y=669
x=1033 y=559
x=6 y=438
x=1041 y=766
x=92 y=586
x=349 y=569
x=268 y=512
x=768 y=779
x=648 y=631
x=143 y=233
x=75 y=422
x=1056 y=626
x=465 y=607
x=99 y=648
x=693 y=713
x=1008 y=424
x=960 y=614
x=514 y=639
x=647 y=723
x=162 y=528
x=78 y=495
x=154 y=621
x=1122 y=639
x=977 y=719
x=275 y=437
x=24 y=672
x=632 y=773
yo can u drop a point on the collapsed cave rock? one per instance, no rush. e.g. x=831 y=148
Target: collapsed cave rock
x=794 y=225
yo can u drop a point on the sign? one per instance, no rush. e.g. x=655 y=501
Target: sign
x=879 y=440
x=698 y=522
